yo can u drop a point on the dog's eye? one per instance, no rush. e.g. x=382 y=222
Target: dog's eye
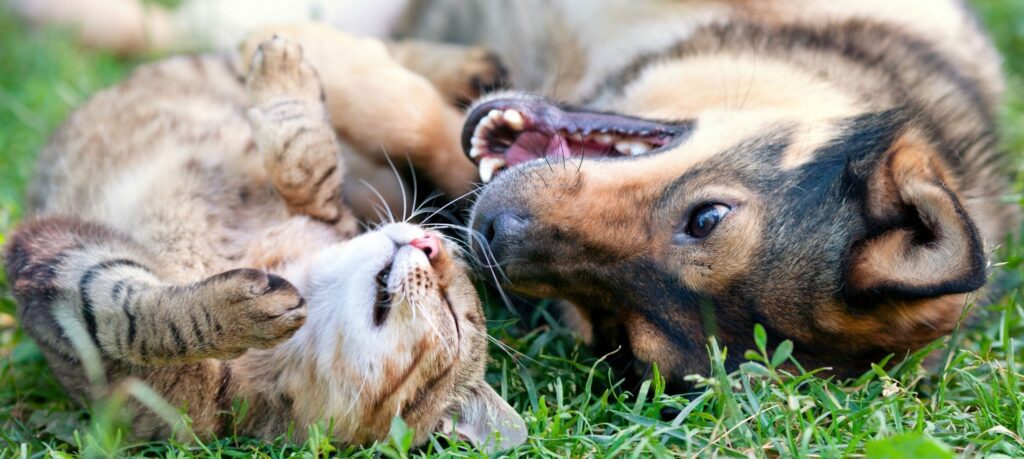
x=705 y=218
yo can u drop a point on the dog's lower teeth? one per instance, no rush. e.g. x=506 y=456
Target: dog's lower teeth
x=514 y=120
x=624 y=147
x=603 y=138
x=639 y=148
x=632 y=148
x=490 y=165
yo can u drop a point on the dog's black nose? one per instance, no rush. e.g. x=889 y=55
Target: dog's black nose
x=499 y=231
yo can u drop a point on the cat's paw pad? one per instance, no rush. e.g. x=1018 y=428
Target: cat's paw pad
x=257 y=310
x=278 y=72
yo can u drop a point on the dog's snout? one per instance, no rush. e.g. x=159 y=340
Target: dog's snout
x=505 y=225
x=499 y=231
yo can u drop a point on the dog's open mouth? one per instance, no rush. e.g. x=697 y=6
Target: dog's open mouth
x=502 y=133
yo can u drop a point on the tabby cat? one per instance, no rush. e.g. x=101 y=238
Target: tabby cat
x=188 y=230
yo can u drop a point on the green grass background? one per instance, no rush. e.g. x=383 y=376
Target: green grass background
x=972 y=404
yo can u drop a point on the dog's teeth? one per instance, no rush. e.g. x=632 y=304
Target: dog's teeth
x=479 y=134
x=478 y=142
x=603 y=138
x=514 y=120
x=494 y=115
x=639 y=148
x=632 y=148
x=576 y=137
x=624 y=146
x=474 y=152
x=483 y=127
x=488 y=166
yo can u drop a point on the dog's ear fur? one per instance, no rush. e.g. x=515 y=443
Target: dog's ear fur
x=920 y=242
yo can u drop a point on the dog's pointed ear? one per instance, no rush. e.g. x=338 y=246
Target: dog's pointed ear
x=486 y=420
x=920 y=241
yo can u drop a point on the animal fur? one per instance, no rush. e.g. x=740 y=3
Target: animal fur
x=853 y=144
x=848 y=150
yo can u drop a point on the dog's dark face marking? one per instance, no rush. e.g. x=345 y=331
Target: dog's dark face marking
x=834 y=243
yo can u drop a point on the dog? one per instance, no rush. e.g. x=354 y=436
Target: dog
x=678 y=170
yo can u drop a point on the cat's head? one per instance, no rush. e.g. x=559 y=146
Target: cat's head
x=399 y=330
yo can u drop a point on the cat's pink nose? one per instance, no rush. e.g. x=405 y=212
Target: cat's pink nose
x=428 y=244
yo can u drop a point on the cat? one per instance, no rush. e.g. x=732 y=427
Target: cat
x=188 y=229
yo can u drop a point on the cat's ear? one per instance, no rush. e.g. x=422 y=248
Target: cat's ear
x=486 y=420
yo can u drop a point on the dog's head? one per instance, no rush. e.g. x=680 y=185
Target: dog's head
x=674 y=218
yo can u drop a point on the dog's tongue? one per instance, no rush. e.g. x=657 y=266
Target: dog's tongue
x=533 y=145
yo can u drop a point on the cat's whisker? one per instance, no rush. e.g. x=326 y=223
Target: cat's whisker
x=384 y=202
x=514 y=354
x=430 y=323
x=453 y=201
x=415 y=187
x=423 y=208
x=365 y=373
x=401 y=185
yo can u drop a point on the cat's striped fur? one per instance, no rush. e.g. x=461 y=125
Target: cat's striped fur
x=160 y=210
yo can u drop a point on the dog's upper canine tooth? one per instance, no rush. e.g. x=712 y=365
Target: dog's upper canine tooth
x=514 y=120
x=488 y=166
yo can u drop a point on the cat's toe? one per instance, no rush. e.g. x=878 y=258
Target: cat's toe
x=278 y=71
x=276 y=313
x=261 y=309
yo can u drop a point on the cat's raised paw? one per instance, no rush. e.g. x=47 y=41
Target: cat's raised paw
x=253 y=309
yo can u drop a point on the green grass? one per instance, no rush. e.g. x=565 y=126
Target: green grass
x=971 y=404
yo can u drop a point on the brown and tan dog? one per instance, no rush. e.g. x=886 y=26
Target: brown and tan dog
x=692 y=168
